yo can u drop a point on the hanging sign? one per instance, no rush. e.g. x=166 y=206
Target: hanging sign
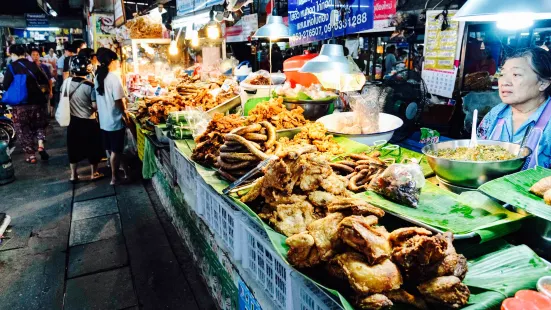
x=243 y=29
x=36 y=20
x=309 y=20
x=384 y=10
x=119 y=13
x=184 y=7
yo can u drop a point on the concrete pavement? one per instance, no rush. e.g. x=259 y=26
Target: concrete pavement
x=91 y=245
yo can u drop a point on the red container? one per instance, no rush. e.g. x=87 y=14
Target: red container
x=291 y=67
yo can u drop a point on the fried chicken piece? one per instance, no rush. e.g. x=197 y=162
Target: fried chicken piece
x=302 y=250
x=374 y=302
x=334 y=184
x=290 y=219
x=321 y=198
x=541 y=187
x=294 y=151
x=358 y=233
x=420 y=251
x=325 y=233
x=452 y=265
x=354 y=206
x=366 y=279
x=446 y=291
x=277 y=175
x=401 y=235
x=406 y=298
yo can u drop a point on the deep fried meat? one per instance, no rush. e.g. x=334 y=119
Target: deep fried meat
x=446 y=291
x=354 y=206
x=358 y=233
x=401 y=235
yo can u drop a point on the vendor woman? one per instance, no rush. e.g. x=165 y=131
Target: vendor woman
x=525 y=90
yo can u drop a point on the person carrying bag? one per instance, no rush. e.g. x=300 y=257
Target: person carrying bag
x=30 y=112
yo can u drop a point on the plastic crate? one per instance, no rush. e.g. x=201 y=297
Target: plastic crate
x=265 y=265
x=307 y=296
x=140 y=141
x=222 y=218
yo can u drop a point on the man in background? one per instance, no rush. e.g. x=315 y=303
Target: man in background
x=73 y=49
x=48 y=89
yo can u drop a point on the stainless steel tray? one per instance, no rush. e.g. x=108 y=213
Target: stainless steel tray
x=226 y=106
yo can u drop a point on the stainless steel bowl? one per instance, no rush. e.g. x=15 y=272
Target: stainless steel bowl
x=474 y=173
x=312 y=109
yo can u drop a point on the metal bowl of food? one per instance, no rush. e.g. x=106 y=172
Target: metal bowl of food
x=460 y=165
x=313 y=109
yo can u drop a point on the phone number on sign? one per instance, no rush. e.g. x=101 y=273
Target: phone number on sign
x=353 y=22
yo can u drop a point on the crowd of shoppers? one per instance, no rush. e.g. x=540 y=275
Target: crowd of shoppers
x=96 y=97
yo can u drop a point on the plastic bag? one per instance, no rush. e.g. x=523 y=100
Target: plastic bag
x=261 y=77
x=130 y=147
x=401 y=183
x=197 y=120
x=63 y=112
x=367 y=110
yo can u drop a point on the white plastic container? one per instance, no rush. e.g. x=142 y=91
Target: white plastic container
x=307 y=296
x=263 y=264
x=248 y=91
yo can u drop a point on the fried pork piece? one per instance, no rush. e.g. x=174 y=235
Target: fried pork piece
x=401 y=235
x=406 y=298
x=541 y=187
x=452 y=265
x=313 y=169
x=321 y=198
x=334 y=184
x=325 y=233
x=354 y=206
x=302 y=250
x=290 y=219
x=359 y=233
x=419 y=252
x=374 y=302
x=366 y=279
x=446 y=291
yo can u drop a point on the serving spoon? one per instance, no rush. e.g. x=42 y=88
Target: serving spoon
x=474 y=141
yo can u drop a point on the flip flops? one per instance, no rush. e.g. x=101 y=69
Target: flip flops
x=31 y=160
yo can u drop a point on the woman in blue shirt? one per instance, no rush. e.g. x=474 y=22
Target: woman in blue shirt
x=525 y=90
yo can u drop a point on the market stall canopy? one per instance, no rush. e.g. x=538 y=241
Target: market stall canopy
x=509 y=14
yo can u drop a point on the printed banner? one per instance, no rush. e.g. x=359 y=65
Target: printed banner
x=243 y=29
x=384 y=10
x=309 y=20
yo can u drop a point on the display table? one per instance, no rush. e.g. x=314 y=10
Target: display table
x=240 y=257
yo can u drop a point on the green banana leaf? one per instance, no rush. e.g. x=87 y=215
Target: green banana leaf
x=460 y=214
x=517 y=186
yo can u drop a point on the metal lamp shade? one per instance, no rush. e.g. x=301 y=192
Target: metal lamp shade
x=274 y=28
x=492 y=10
x=334 y=70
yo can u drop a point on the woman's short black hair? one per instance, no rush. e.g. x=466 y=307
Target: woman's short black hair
x=35 y=49
x=391 y=49
x=540 y=62
x=17 y=49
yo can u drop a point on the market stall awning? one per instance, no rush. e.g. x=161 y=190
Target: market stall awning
x=186 y=7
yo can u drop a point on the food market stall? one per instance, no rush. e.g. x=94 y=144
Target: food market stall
x=286 y=206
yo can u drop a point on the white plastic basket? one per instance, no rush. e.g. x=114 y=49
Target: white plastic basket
x=307 y=296
x=265 y=265
x=187 y=177
x=222 y=218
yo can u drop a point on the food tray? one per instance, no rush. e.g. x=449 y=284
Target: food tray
x=320 y=101
x=226 y=106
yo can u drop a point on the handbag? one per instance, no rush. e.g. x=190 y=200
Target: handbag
x=63 y=112
x=17 y=93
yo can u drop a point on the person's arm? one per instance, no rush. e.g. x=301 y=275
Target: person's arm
x=118 y=97
x=66 y=67
x=93 y=97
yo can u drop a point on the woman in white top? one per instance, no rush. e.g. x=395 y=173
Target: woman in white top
x=111 y=109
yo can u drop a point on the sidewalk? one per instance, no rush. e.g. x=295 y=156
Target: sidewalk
x=92 y=245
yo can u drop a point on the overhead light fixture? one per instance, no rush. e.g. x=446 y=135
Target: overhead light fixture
x=274 y=29
x=509 y=14
x=173 y=48
x=334 y=70
x=213 y=29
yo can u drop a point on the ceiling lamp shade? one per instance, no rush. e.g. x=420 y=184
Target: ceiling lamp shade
x=274 y=29
x=334 y=70
x=509 y=14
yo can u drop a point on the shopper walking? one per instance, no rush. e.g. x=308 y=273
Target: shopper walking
x=111 y=110
x=83 y=132
x=30 y=118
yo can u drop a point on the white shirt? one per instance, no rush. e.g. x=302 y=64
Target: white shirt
x=60 y=62
x=110 y=117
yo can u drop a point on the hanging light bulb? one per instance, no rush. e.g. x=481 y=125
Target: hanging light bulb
x=173 y=48
x=194 y=38
x=213 y=31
